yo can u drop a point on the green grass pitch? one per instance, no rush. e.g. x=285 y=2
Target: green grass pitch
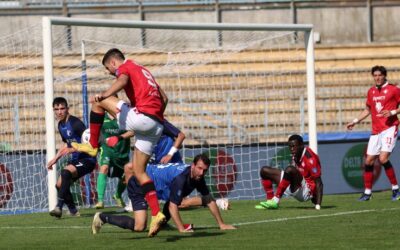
x=342 y=223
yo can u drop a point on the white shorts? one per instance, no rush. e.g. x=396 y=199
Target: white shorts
x=385 y=141
x=147 y=130
x=303 y=193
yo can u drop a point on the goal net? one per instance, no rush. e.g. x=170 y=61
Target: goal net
x=236 y=91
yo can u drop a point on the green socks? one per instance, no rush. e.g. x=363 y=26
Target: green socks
x=101 y=186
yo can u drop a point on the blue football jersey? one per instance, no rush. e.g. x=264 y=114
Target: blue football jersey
x=71 y=131
x=165 y=143
x=173 y=182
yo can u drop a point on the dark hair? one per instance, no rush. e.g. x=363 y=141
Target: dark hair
x=60 y=100
x=116 y=53
x=203 y=157
x=379 y=68
x=297 y=138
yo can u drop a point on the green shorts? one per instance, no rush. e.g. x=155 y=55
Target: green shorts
x=114 y=162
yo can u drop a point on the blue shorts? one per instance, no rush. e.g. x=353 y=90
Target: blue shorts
x=136 y=195
x=83 y=166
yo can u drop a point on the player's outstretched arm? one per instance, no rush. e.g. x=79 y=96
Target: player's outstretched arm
x=117 y=85
x=176 y=217
x=64 y=150
x=217 y=215
x=113 y=140
x=319 y=186
x=364 y=114
x=177 y=144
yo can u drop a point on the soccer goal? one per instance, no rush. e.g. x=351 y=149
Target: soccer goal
x=236 y=90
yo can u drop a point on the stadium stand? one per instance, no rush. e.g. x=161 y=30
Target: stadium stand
x=342 y=79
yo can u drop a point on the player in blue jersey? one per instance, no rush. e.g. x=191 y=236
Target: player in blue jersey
x=79 y=164
x=166 y=150
x=173 y=182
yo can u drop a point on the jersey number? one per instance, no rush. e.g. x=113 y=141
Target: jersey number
x=149 y=77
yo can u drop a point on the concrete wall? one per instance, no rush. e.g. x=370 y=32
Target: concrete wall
x=336 y=25
x=387 y=24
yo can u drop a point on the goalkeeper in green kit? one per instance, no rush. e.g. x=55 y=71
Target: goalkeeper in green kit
x=114 y=154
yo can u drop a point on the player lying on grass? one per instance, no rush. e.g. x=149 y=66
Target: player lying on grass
x=79 y=164
x=173 y=182
x=301 y=180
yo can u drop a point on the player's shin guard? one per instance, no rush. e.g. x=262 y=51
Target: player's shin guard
x=151 y=197
x=267 y=184
x=66 y=177
x=69 y=200
x=166 y=212
x=101 y=186
x=285 y=182
x=389 y=170
x=120 y=188
x=60 y=201
x=96 y=122
x=121 y=221
x=368 y=176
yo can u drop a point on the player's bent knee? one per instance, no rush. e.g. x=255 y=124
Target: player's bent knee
x=290 y=170
x=104 y=169
x=185 y=204
x=206 y=199
x=66 y=174
x=383 y=159
x=265 y=172
x=140 y=228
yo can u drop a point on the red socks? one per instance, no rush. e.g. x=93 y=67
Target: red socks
x=151 y=197
x=391 y=176
x=96 y=122
x=267 y=184
x=368 y=176
x=282 y=187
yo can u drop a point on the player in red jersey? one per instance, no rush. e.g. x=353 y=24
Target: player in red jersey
x=144 y=116
x=382 y=104
x=301 y=180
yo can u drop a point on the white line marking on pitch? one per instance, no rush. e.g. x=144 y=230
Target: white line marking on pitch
x=306 y=217
x=314 y=216
x=235 y=224
x=55 y=227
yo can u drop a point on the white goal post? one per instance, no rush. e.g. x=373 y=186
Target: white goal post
x=49 y=22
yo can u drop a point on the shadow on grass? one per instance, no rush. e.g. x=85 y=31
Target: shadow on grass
x=170 y=238
x=313 y=208
x=192 y=235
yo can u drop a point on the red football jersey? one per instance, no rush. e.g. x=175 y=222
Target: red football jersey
x=310 y=167
x=142 y=90
x=386 y=98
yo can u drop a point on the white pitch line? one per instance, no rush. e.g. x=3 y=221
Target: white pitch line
x=304 y=217
x=235 y=224
x=314 y=216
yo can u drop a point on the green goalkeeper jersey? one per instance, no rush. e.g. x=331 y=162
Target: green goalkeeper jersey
x=110 y=128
